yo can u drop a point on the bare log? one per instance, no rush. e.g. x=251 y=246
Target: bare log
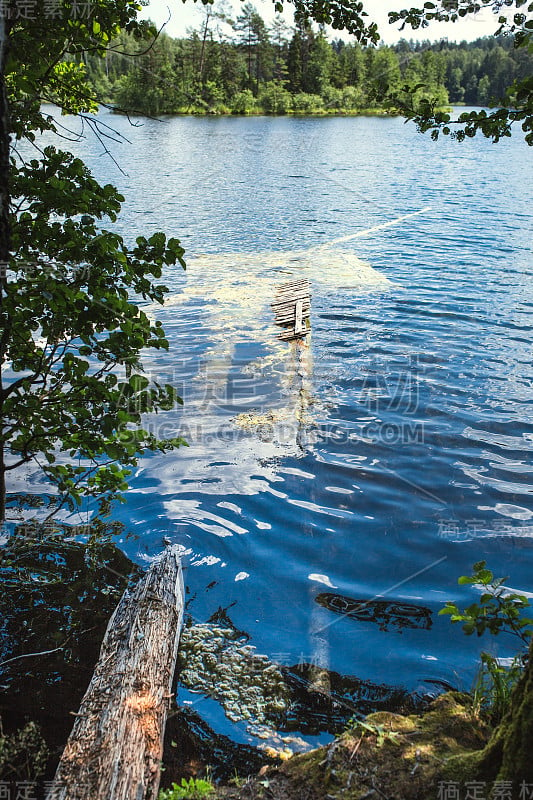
x=115 y=748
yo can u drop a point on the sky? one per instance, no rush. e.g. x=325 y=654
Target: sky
x=182 y=15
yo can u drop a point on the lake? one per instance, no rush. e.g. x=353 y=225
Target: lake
x=332 y=494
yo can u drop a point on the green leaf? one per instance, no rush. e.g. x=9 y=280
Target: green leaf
x=138 y=382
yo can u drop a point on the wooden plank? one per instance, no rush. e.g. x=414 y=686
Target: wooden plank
x=289 y=335
x=293 y=286
x=300 y=282
x=115 y=748
x=279 y=304
x=287 y=323
x=292 y=289
x=290 y=307
x=304 y=290
x=290 y=319
x=291 y=297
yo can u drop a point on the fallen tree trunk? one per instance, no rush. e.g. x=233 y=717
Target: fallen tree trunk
x=115 y=748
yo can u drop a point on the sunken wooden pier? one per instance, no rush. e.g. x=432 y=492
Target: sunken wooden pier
x=114 y=751
x=292 y=309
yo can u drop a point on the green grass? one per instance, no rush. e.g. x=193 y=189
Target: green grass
x=494 y=686
x=192 y=789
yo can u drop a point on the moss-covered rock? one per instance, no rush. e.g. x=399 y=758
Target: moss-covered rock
x=410 y=757
x=390 y=755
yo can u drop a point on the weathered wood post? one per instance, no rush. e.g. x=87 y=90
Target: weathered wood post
x=115 y=748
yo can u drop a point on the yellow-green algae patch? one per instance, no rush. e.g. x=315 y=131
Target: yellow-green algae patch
x=405 y=758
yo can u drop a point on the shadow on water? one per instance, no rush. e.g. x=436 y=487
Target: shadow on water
x=324 y=701
x=191 y=744
x=385 y=614
x=58 y=592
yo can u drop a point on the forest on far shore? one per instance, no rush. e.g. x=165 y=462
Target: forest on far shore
x=243 y=66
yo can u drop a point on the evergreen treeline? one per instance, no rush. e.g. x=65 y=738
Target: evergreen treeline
x=242 y=66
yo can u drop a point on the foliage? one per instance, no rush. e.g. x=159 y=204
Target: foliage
x=192 y=789
x=150 y=84
x=382 y=735
x=244 y=102
x=274 y=98
x=516 y=98
x=347 y=99
x=72 y=388
x=303 y=103
x=494 y=685
x=498 y=609
x=185 y=77
x=346 y=15
x=254 y=42
x=23 y=754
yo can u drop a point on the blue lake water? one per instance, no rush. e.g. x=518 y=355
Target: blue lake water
x=382 y=461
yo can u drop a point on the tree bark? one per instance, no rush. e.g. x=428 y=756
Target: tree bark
x=516 y=731
x=4 y=148
x=115 y=748
x=5 y=237
x=2 y=476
